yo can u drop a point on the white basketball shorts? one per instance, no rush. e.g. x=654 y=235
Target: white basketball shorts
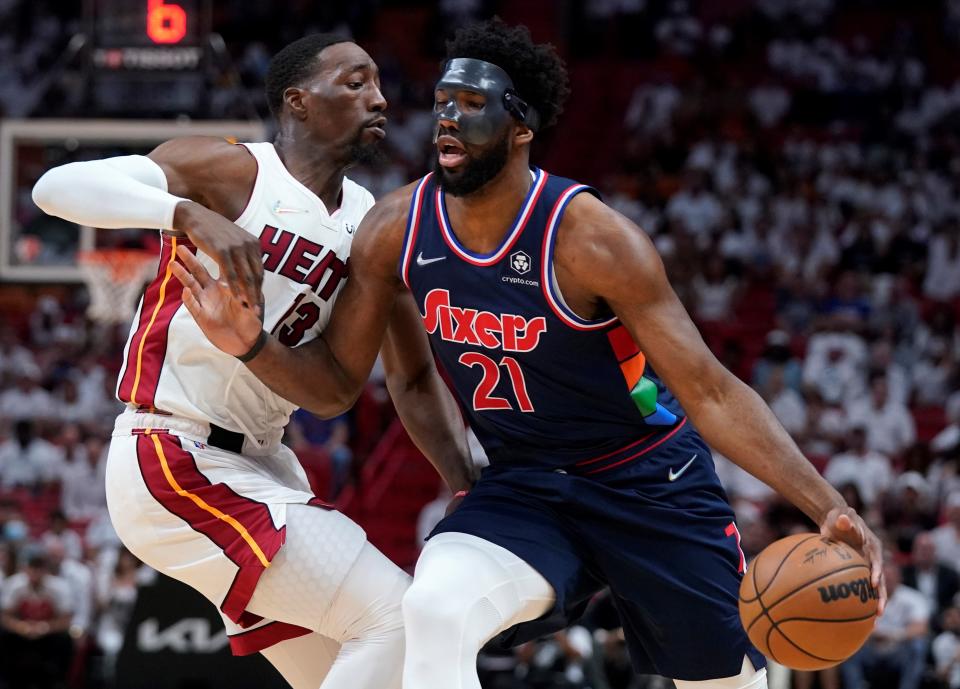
x=215 y=519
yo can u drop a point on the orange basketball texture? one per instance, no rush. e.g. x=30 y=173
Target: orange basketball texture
x=806 y=601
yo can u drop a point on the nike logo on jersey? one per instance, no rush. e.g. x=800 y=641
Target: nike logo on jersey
x=674 y=475
x=277 y=208
x=421 y=261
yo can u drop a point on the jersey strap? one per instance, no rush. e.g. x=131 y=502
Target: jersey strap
x=548 y=278
x=413 y=226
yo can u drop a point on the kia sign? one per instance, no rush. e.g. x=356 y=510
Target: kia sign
x=176 y=640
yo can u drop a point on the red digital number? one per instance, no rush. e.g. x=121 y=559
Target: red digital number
x=483 y=400
x=166 y=23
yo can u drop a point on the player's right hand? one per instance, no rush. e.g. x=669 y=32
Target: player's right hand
x=228 y=321
x=235 y=250
x=844 y=524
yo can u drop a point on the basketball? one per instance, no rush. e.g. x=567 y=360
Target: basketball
x=807 y=603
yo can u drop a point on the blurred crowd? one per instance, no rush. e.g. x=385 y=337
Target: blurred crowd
x=797 y=163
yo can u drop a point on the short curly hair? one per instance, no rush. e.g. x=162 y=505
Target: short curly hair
x=293 y=64
x=539 y=74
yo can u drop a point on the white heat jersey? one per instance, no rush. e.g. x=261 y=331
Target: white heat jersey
x=169 y=364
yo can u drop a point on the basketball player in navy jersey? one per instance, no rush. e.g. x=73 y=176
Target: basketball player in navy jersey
x=588 y=385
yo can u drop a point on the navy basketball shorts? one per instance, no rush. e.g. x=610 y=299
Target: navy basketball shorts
x=657 y=530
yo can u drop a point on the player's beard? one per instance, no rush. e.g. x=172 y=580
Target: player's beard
x=366 y=152
x=478 y=170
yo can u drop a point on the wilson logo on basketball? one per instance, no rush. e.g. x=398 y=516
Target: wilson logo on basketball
x=859 y=588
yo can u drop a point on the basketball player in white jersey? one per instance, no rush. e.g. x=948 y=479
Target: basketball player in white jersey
x=198 y=484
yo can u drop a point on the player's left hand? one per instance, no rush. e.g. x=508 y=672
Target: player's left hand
x=844 y=524
x=223 y=316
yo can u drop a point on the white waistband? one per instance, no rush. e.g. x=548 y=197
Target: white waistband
x=191 y=429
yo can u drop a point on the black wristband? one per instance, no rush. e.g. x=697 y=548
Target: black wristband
x=255 y=349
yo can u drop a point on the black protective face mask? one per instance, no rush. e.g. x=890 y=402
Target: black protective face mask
x=501 y=101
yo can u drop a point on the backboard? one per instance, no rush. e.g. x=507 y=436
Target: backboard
x=35 y=247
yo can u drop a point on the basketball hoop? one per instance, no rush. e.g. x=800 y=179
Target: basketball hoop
x=114 y=278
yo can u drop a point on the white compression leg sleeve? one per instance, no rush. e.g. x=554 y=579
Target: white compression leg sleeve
x=366 y=618
x=749 y=678
x=126 y=191
x=464 y=592
x=359 y=610
x=305 y=661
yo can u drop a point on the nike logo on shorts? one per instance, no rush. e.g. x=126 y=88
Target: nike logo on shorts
x=674 y=475
x=421 y=261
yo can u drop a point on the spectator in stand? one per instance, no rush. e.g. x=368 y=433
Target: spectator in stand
x=777 y=354
x=901 y=314
x=836 y=357
x=70 y=408
x=947 y=441
x=868 y=470
x=946 y=649
x=27 y=400
x=95 y=387
x=889 y=424
x=116 y=594
x=898 y=643
x=70 y=441
x=8 y=561
x=899 y=382
x=28 y=461
x=330 y=435
x=938 y=583
x=825 y=429
x=715 y=292
x=558 y=661
x=946 y=538
x=59 y=534
x=695 y=208
x=785 y=402
x=934 y=376
x=848 y=302
x=83 y=495
x=910 y=509
x=35 y=613
x=938 y=332
x=14 y=357
x=942 y=282
x=79 y=580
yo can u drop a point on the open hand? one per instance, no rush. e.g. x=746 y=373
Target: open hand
x=226 y=318
x=844 y=524
x=235 y=250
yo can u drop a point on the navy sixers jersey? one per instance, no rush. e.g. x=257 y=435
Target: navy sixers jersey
x=539 y=384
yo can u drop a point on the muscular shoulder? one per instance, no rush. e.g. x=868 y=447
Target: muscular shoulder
x=600 y=247
x=388 y=216
x=204 y=157
x=209 y=170
x=379 y=238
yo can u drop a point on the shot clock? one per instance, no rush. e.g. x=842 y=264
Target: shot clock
x=148 y=56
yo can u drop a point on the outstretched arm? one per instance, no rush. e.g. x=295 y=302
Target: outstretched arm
x=613 y=262
x=189 y=185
